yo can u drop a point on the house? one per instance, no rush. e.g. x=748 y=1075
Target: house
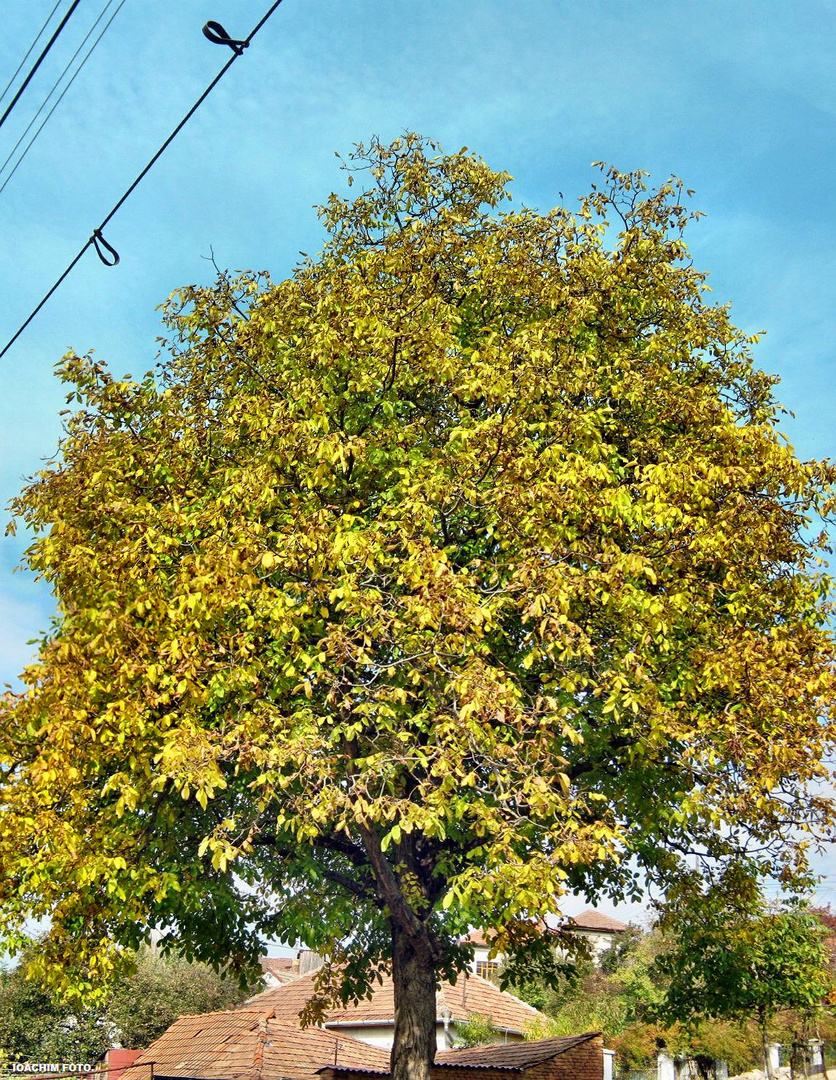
x=372 y=1021
x=255 y=1044
x=483 y=963
x=599 y=931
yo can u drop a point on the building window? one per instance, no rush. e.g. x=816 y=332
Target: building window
x=488 y=969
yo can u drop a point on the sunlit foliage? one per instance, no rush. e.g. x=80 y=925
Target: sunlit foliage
x=462 y=568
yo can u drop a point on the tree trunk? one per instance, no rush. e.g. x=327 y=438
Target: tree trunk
x=413 y=972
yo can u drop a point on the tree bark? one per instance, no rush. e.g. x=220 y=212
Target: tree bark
x=415 y=955
x=413 y=972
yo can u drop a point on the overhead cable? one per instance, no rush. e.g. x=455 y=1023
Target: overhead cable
x=108 y=255
x=35 y=41
x=55 y=86
x=39 y=61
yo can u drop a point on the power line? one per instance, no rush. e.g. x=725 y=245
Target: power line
x=108 y=255
x=63 y=92
x=39 y=61
x=35 y=41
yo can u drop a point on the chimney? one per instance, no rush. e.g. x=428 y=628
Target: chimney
x=117 y=1060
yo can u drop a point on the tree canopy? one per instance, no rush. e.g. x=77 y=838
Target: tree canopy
x=462 y=568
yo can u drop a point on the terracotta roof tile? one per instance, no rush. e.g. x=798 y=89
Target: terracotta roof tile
x=594 y=920
x=484 y=939
x=471 y=995
x=278 y=963
x=285 y=1002
x=220 y=1045
x=299 y=1053
x=250 y=1044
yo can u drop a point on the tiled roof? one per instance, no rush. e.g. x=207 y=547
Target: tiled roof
x=250 y=1044
x=469 y=996
x=221 y=1044
x=594 y=920
x=484 y=939
x=300 y=1053
x=588 y=920
x=477 y=937
x=474 y=995
x=282 y=968
x=285 y=1002
x=519 y=1055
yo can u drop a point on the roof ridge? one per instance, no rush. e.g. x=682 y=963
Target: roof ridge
x=236 y=1010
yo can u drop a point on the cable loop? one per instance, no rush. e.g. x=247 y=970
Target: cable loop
x=99 y=242
x=215 y=33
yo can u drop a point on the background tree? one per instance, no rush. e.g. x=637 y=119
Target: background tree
x=463 y=568
x=611 y=997
x=36 y=1025
x=143 y=1005
x=733 y=959
x=478 y=1031
x=625 y=998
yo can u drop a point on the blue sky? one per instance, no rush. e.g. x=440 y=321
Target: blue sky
x=738 y=98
